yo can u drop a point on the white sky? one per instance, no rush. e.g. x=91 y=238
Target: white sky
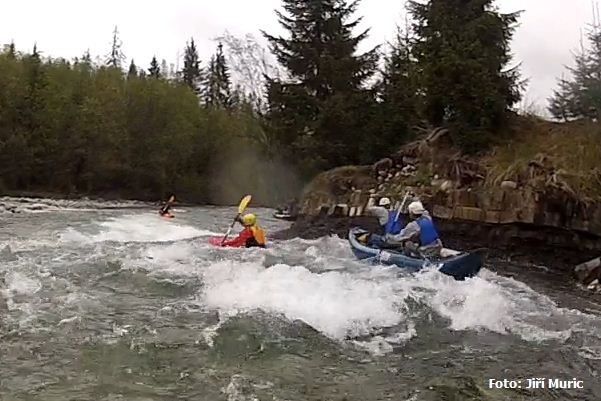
x=549 y=29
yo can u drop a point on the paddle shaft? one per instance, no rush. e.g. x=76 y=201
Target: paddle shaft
x=398 y=213
x=229 y=230
x=241 y=207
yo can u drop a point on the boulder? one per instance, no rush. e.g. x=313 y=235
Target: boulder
x=382 y=166
x=509 y=185
x=588 y=272
x=446 y=186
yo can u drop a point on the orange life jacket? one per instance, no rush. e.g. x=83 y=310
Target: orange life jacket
x=258 y=235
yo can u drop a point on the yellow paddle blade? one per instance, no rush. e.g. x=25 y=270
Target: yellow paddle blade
x=244 y=203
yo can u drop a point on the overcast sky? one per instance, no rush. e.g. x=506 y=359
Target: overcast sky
x=549 y=29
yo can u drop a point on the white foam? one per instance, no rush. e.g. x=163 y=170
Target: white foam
x=19 y=284
x=172 y=260
x=471 y=304
x=337 y=304
x=41 y=205
x=239 y=389
x=146 y=227
x=377 y=346
x=170 y=253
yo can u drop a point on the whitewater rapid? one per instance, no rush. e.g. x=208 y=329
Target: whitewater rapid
x=317 y=282
x=100 y=276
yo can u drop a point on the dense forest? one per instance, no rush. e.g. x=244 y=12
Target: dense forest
x=90 y=127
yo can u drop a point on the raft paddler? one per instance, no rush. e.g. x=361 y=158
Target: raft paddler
x=419 y=237
x=390 y=220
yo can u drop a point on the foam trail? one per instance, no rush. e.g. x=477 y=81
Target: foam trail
x=137 y=228
x=337 y=304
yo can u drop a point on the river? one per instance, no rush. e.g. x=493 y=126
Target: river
x=107 y=301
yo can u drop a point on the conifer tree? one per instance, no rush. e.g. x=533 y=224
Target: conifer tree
x=10 y=50
x=323 y=101
x=399 y=93
x=192 y=74
x=133 y=70
x=217 y=91
x=87 y=58
x=116 y=57
x=463 y=52
x=154 y=71
x=580 y=96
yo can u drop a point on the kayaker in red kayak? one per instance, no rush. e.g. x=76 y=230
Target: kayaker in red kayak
x=164 y=211
x=251 y=236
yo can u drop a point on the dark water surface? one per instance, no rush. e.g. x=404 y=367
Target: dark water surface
x=106 y=301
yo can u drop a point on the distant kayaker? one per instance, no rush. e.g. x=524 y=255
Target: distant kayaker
x=164 y=211
x=389 y=220
x=419 y=237
x=251 y=236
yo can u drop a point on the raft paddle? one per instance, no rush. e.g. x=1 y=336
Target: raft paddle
x=241 y=207
x=398 y=213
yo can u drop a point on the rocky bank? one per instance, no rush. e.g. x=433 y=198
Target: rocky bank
x=536 y=198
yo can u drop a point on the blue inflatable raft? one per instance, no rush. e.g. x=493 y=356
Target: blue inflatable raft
x=460 y=267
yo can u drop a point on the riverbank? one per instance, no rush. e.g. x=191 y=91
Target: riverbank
x=535 y=197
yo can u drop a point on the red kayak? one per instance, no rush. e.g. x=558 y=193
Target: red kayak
x=216 y=241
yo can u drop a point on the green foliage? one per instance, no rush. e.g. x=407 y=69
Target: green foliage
x=399 y=95
x=462 y=49
x=318 y=115
x=192 y=73
x=580 y=96
x=217 y=87
x=133 y=70
x=154 y=70
x=76 y=127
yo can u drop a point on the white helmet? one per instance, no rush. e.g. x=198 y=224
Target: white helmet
x=384 y=202
x=416 y=208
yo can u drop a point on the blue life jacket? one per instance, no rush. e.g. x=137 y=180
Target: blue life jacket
x=427 y=231
x=393 y=225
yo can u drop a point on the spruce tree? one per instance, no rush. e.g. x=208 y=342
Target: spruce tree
x=323 y=101
x=399 y=97
x=133 y=70
x=217 y=90
x=154 y=70
x=463 y=52
x=10 y=50
x=192 y=74
x=580 y=96
x=116 y=57
x=86 y=58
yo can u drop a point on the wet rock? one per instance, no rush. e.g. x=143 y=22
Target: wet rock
x=446 y=186
x=410 y=160
x=382 y=166
x=509 y=185
x=588 y=272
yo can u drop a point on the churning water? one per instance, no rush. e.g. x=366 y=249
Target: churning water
x=107 y=301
